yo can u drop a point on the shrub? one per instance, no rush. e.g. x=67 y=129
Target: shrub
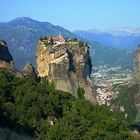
x=80 y=93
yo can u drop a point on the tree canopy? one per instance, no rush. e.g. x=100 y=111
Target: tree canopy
x=48 y=114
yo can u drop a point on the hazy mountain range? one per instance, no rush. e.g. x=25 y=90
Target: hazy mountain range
x=126 y=37
x=22 y=34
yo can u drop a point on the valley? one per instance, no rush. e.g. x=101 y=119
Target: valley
x=109 y=83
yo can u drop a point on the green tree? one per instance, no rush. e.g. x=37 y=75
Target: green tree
x=80 y=92
x=51 y=41
x=27 y=106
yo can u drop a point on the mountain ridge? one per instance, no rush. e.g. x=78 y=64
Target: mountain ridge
x=124 y=38
x=22 y=33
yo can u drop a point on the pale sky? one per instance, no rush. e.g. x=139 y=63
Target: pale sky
x=75 y=14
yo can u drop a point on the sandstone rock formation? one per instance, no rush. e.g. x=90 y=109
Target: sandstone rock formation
x=68 y=64
x=137 y=75
x=137 y=64
x=29 y=71
x=6 y=60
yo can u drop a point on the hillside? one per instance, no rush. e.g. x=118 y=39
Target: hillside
x=37 y=109
x=111 y=57
x=21 y=35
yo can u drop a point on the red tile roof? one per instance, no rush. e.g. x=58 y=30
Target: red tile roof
x=57 y=38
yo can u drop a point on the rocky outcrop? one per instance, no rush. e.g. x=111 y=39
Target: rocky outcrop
x=29 y=71
x=137 y=76
x=68 y=64
x=137 y=64
x=6 y=60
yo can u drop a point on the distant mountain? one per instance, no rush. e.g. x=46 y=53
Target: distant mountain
x=127 y=38
x=124 y=31
x=21 y=35
x=111 y=57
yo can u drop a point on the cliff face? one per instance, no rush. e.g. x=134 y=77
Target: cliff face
x=137 y=64
x=68 y=64
x=137 y=76
x=6 y=60
x=29 y=71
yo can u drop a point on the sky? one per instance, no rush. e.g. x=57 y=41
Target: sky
x=75 y=14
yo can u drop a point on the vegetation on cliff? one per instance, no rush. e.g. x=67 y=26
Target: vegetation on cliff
x=126 y=101
x=41 y=111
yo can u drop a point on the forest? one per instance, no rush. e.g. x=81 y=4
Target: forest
x=37 y=109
